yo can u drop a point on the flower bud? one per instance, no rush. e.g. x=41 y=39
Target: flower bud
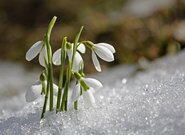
x=69 y=45
x=42 y=77
x=43 y=82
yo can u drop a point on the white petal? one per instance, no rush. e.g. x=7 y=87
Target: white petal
x=34 y=92
x=76 y=93
x=89 y=99
x=55 y=88
x=91 y=82
x=92 y=90
x=81 y=48
x=34 y=50
x=77 y=62
x=43 y=54
x=104 y=53
x=41 y=58
x=108 y=46
x=70 y=53
x=57 y=57
x=70 y=105
x=96 y=62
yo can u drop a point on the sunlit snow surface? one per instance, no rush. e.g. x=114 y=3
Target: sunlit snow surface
x=148 y=102
x=14 y=79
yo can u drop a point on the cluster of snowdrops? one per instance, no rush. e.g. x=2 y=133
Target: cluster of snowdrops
x=69 y=58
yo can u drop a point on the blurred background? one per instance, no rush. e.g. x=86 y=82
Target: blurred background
x=138 y=29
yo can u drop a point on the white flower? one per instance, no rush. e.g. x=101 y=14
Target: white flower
x=77 y=59
x=104 y=51
x=35 y=91
x=87 y=95
x=93 y=83
x=37 y=48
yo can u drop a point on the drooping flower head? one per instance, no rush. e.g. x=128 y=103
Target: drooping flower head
x=85 y=87
x=38 y=48
x=69 y=49
x=103 y=50
x=35 y=91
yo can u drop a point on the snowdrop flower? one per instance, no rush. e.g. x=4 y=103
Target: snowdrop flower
x=104 y=51
x=37 y=48
x=77 y=60
x=87 y=91
x=35 y=91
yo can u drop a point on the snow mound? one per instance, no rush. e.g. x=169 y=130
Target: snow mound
x=14 y=79
x=148 y=102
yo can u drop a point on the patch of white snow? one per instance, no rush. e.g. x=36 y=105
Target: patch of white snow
x=149 y=102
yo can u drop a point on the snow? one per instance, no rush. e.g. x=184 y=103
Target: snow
x=146 y=102
x=14 y=79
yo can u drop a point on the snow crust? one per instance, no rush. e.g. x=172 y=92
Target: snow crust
x=148 y=102
x=14 y=80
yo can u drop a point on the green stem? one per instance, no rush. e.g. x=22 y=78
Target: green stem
x=76 y=102
x=47 y=89
x=76 y=105
x=65 y=95
x=43 y=88
x=50 y=67
x=46 y=98
x=63 y=55
x=51 y=87
x=50 y=27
